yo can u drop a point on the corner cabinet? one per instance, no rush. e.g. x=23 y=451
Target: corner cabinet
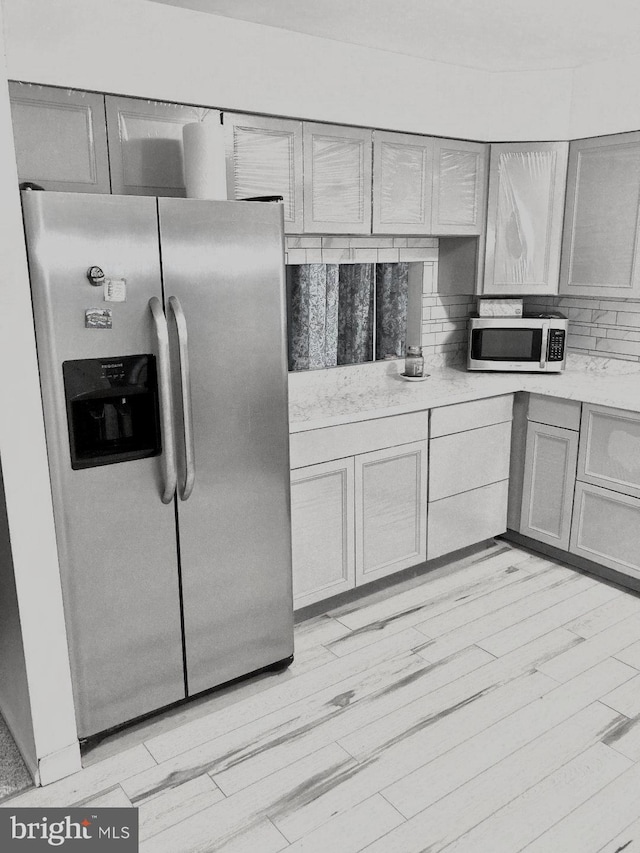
x=524 y=218
x=337 y=179
x=600 y=250
x=145 y=145
x=549 y=478
x=60 y=138
x=264 y=157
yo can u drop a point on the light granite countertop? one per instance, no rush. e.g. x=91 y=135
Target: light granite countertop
x=361 y=392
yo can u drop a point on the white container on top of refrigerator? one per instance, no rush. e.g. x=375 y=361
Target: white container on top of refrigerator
x=168 y=454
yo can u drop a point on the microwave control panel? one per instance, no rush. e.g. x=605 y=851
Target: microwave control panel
x=556 y=345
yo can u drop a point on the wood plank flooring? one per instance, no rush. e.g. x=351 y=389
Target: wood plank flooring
x=490 y=706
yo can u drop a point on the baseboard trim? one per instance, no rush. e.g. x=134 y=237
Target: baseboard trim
x=57 y=765
x=589 y=567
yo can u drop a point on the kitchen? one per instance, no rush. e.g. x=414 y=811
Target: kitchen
x=455 y=102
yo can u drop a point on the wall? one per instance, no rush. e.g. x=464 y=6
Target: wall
x=606 y=98
x=604 y=327
x=144 y=49
x=45 y=730
x=14 y=688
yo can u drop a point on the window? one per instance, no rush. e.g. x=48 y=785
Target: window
x=347 y=313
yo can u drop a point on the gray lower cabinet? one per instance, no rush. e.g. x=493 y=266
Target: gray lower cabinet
x=606 y=513
x=606 y=528
x=469 y=454
x=60 y=138
x=467 y=518
x=549 y=475
x=610 y=449
x=322 y=534
x=391 y=510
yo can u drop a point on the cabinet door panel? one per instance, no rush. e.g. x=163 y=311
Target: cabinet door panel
x=467 y=518
x=391 y=510
x=402 y=169
x=264 y=157
x=60 y=138
x=606 y=528
x=549 y=478
x=600 y=251
x=337 y=179
x=524 y=225
x=459 y=187
x=322 y=530
x=145 y=145
x=610 y=449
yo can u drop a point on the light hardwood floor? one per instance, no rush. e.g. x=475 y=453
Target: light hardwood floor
x=491 y=705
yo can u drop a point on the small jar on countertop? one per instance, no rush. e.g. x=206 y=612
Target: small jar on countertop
x=414 y=362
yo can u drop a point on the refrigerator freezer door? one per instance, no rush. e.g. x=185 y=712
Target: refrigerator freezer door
x=224 y=263
x=116 y=538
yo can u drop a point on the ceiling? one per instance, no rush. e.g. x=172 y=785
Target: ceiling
x=492 y=35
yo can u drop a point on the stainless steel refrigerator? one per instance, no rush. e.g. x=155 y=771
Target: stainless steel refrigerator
x=160 y=327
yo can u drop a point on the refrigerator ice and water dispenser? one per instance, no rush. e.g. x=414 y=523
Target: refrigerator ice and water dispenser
x=112 y=409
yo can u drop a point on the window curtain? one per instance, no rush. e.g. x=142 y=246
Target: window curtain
x=355 y=313
x=313 y=315
x=331 y=314
x=392 y=288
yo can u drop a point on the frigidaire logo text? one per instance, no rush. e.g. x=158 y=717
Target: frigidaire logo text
x=57 y=832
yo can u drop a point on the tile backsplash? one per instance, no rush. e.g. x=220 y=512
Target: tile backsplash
x=601 y=327
x=444 y=318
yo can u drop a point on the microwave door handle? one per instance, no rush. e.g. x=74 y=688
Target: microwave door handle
x=544 y=345
x=169 y=475
x=185 y=385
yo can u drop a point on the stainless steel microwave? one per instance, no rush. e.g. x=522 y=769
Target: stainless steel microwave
x=534 y=342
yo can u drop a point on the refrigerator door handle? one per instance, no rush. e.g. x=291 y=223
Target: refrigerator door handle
x=170 y=476
x=185 y=384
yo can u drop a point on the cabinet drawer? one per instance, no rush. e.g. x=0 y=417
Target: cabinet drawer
x=468 y=460
x=321 y=445
x=610 y=449
x=465 y=519
x=554 y=411
x=606 y=528
x=446 y=420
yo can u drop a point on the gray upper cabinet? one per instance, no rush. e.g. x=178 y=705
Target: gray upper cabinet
x=459 y=187
x=264 y=157
x=524 y=218
x=402 y=172
x=60 y=138
x=145 y=145
x=600 y=250
x=423 y=185
x=337 y=179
